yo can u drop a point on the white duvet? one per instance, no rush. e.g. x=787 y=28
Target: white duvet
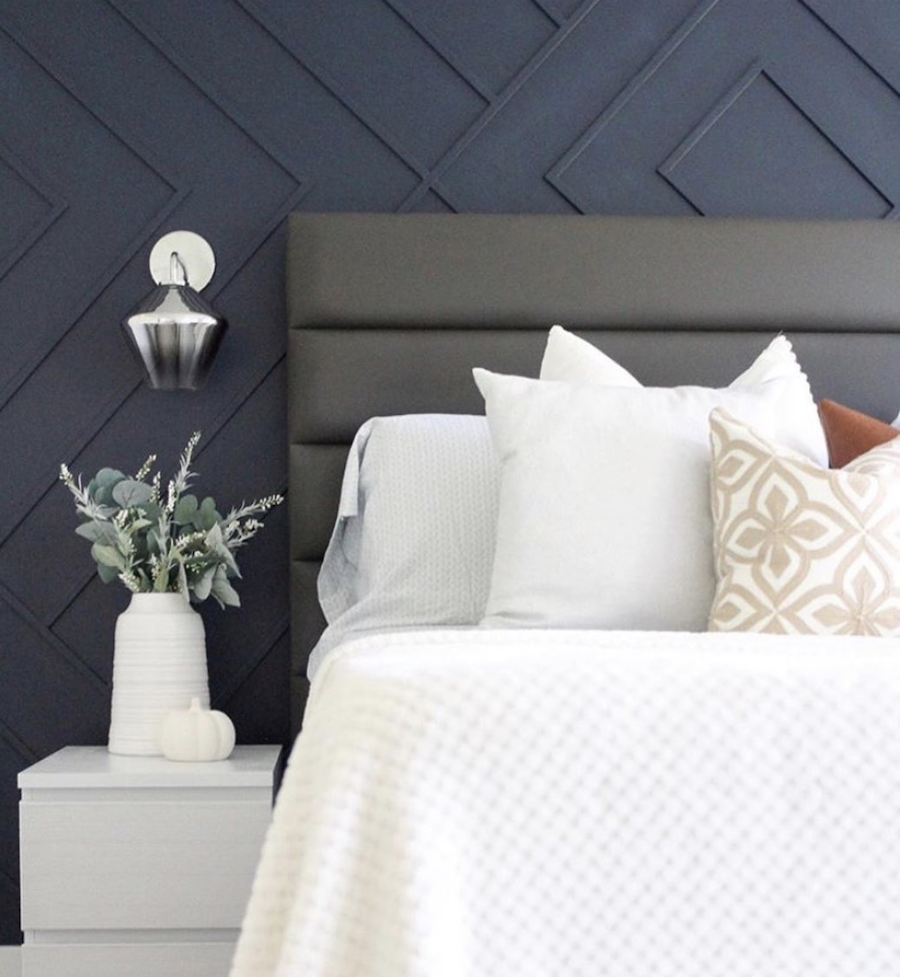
x=533 y=804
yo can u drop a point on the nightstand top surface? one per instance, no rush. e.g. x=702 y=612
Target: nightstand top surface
x=95 y=766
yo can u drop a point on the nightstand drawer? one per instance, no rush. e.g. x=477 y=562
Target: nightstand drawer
x=140 y=864
x=122 y=960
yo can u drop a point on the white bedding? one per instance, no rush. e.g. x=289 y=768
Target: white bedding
x=542 y=803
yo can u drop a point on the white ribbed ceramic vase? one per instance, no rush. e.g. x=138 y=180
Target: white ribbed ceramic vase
x=159 y=664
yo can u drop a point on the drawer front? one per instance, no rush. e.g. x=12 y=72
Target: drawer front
x=164 y=960
x=139 y=865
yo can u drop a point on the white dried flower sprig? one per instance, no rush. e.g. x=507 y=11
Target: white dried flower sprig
x=144 y=470
x=163 y=541
x=241 y=525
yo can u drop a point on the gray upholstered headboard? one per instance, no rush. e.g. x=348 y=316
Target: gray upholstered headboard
x=388 y=313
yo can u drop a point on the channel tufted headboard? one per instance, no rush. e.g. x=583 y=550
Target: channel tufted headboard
x=387 y=314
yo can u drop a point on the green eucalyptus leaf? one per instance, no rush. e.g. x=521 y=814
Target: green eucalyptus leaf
x=151 y=510
x=203 y=586
x=214 y=538
x=183 y=582
x=129 y=493
x=107 y=574
x=96 y=532
x=105 y=511
x=222 y=590
x=225 y=594
x=107 y=479
x=108 y=476
x=206 y=516
x=185 y=510
x=103 y=497
x=108 y=556
x=230 y=562
x=203 y=521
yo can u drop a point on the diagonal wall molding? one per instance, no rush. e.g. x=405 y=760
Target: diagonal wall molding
x=307 y=61
x=56 y=207
x=556 y=175
x=497 y=106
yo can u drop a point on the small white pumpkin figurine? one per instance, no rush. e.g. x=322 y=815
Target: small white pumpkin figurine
x=196 y=734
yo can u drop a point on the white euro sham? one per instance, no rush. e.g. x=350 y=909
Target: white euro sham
x=604 y=518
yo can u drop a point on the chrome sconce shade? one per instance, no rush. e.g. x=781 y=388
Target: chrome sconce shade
x=174 y=333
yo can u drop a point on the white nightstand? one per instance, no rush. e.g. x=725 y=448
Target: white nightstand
x=139 y=866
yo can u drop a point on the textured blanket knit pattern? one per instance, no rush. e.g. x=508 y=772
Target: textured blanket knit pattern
x=475 y=803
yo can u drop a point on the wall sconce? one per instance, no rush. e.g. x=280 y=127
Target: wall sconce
x=173 y=332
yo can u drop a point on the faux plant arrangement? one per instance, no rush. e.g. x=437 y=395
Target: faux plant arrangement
x=164 y=542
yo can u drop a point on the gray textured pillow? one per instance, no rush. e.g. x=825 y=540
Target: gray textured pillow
x=414 y=540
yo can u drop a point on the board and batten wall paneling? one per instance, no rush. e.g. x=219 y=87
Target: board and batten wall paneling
x=123 y=119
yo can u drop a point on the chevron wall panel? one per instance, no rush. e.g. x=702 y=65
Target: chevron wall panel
x=123 y=119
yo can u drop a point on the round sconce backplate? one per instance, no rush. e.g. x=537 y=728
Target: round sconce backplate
x=194 y=253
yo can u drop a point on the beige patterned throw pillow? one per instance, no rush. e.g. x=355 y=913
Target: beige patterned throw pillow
x=801 y=549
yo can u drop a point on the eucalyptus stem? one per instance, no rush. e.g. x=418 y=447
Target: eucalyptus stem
x=159 y=541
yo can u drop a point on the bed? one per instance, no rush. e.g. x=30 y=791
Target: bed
x=517 y=776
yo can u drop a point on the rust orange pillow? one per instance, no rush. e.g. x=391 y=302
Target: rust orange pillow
x=850 y=433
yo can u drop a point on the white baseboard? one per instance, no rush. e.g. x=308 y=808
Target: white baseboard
x=10 y=961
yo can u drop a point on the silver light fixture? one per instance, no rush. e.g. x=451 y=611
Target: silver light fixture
x=173 y=332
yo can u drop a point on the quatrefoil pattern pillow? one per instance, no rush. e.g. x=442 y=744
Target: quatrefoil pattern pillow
x=800 y=549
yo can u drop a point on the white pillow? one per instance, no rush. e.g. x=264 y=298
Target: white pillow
x=604 y=516
x=414 y=539
x=570 y=358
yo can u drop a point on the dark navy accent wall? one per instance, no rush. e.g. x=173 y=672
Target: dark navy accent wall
x=123 y=119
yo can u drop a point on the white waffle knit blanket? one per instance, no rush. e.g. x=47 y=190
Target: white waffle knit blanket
x=472 y=803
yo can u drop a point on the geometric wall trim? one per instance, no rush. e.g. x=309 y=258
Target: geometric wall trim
x=758 y=144
x=29 y=208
